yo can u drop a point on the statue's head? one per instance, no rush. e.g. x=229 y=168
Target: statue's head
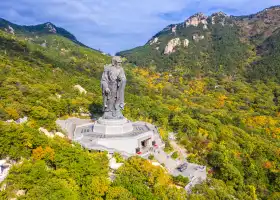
x=116 y=61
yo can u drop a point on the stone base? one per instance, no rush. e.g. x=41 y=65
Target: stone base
x=114 y=135
x=113 y=126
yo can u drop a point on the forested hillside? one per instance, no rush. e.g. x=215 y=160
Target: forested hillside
x=217 y=80
x=215 y=45
x=38 y=82
x=223 y=120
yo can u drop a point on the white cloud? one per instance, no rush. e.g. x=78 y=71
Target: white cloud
x=114 y=25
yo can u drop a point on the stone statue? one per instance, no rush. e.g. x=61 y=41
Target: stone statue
x=113 y=84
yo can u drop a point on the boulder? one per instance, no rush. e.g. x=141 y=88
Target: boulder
x=113 y=164
x=20 y=193
x=59 y=134
x=46 y=132
x=18 y=121
x=197 y=37
x=186 y=42
x=80 y=89
x=44 y=44
x=58 y=96
x=22 y=120
x=170 y=47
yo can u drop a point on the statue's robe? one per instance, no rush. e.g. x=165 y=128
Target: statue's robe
x=114 y=79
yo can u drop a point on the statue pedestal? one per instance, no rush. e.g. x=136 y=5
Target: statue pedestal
x=119 y=135
x=113 y=126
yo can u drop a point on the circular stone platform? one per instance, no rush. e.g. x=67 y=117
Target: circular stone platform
x=113 y=126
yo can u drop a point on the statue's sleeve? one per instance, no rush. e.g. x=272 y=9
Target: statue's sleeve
x=104 y=79
x=121 y=87
x=122 y=76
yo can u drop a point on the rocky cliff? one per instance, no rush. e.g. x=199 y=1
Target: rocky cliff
x=215 y=43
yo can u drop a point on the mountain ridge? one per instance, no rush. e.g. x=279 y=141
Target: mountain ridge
x=215 y=43
x=218 y=13
x=34 y=31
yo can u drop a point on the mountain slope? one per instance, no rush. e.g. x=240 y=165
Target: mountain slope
x=216 y=44
x=35 y=31
x=38 y=82
x=267 y=67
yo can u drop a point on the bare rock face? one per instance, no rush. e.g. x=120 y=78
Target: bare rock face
x=18 y=121
x=196 y=19
x=44 y=44
x=20 y=193
x=46 y=132
x=59 y=134
x=80 y=89
x=205 y=27
x=10 y=30
x=50 y=28
x=154 y=41
x=170 y=47
x=219 y=17
x=174 y=29
x=197 y=37
x=58 y=96
x=186 y=43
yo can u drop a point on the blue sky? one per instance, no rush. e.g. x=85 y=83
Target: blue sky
x=114 y=25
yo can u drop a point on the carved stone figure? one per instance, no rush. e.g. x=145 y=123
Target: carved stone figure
x=113 y=84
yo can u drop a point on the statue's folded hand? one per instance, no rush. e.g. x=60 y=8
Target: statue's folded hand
x=122 y=106
x=107 y=91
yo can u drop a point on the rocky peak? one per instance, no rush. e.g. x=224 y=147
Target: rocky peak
x=196 y=19
x=220 y=14
x=50 y=27
x=219 y=17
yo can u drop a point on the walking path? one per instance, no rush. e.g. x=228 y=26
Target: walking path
x=195 y=173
